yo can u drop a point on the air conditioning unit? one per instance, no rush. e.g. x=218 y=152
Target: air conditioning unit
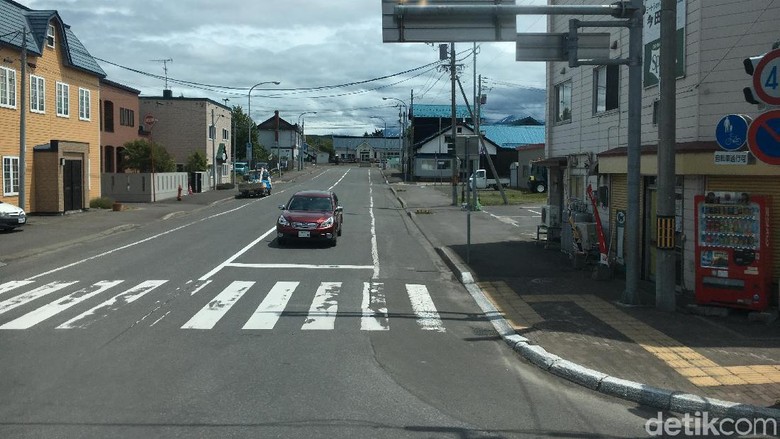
x=551 y=216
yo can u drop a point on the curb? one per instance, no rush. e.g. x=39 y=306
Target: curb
x=662 y=399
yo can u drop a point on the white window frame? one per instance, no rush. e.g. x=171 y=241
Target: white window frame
x=50 y=36
x=225 y=134
x=7 y=87
x=85 y=105
x=10 y=173
x=606 y=89
x=37 y=94
x=63 y=99
x=560 y=104
x=212 y=132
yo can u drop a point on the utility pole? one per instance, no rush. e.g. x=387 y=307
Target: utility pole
x=409 y=138
x=213 y=150
x=665 y=213
x=23 y=125
x=455 y=167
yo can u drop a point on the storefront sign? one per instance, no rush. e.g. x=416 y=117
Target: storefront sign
x=731 y=158
x=651 y=41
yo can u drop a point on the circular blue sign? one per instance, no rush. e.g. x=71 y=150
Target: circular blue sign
x=731 y=132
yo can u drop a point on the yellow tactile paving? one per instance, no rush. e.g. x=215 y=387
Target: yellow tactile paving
x=700 y=370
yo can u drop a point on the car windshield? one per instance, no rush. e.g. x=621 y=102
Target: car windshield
x=309 y=204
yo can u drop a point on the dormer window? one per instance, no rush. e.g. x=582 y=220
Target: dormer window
x=50 y=36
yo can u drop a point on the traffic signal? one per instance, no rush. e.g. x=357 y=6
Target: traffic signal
x=750 y=68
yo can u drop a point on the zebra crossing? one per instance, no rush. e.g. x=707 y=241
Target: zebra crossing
x=330 y=300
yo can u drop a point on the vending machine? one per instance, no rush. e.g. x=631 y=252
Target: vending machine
x=733 y=258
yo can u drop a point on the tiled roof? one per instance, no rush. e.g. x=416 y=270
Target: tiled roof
x=511 y=136
x=440 y=111
x=15 y=17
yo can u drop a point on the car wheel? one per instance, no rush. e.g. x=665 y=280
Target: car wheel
x=540 y=188
x=333 y=241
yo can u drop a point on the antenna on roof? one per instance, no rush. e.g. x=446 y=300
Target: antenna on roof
x=165 y=68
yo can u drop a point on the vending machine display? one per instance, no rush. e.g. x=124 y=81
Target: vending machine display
x=733 y=258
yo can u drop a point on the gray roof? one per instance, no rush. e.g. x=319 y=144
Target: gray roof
x=351 y=143
x=15 y=17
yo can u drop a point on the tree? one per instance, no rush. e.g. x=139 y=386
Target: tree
x=376 y=133
x=145 y=156
x=197 y=162
x=242 y=122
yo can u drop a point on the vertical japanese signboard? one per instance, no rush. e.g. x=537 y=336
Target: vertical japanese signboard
x=651 y=41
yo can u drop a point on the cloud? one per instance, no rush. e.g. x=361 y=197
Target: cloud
x=302 y=43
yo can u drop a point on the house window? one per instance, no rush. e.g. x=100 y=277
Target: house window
x=50 y=36
x=212 y=131
x=225 y=134
x=84 y=104
x=108 y=116
x=10 y=175
x=126 y=117
x=37 y=94
x=563 y=102
x=63 y=101
x=656 y=104
x=7 y=87
x=606 y=88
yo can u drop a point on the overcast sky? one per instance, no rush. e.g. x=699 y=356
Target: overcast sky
x=227 y=46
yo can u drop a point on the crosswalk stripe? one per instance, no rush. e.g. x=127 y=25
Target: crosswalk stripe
x=427 y=315
x=102 y=310
x=322 y=314
x=44 y=290
x=271 y=308
x=38 y=315
x=375 y=316
x=8 y=286
x=210 y=314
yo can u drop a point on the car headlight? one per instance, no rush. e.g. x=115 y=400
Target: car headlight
x=282 y=221
x=327 y=223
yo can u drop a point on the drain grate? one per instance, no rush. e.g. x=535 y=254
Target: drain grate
x=423 y=211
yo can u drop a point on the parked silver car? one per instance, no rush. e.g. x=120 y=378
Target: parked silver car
x=11 y=216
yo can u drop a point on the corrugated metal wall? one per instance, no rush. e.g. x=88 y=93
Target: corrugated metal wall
x=769 y=186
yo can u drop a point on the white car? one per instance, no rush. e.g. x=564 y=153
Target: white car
x=11 y=216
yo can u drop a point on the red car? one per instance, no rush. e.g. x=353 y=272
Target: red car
x=310 y=215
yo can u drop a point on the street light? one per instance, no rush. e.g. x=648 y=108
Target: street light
x=403 y=133
x=384 y=133
x=249 y=113
x=303 y=142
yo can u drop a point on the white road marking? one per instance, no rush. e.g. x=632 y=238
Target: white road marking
x=271 y=308
x=101 y=311
x=427 y=315
x=339 y=180
x=533 y=211
x=374 y=306
x=8 y=286
x=303 y=266
x=374 y=250
x=28 y=297
x=322 y=314
x=37 y=316
x=210 y=314
x=161 y=317
x=235 y=256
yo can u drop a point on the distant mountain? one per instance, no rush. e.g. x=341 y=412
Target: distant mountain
x=515 y=120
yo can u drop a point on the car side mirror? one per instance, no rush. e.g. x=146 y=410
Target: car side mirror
x=282 y=207
x=339 y=208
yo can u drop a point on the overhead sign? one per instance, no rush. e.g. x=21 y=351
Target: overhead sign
x=149 y=119
x=764 y=137
x=446 y=28
x=731 y=131
x=553 y=47
x=765 y=79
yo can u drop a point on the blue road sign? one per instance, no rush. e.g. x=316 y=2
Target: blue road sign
x=731 y=132
x=764 y=137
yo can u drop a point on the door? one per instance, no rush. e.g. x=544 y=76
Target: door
x=73 y=189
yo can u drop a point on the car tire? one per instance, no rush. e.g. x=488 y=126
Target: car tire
x=339 y=232
x=333 y=241
x=540 y=188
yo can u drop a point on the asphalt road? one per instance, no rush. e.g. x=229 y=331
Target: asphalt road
x=201 y=326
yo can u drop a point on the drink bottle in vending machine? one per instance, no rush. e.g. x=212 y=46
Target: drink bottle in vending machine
x=733 y=258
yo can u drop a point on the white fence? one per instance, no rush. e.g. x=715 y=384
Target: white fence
x=141 y=188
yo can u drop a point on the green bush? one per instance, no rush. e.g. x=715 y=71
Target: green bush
x=101 y=203
x=224 y=186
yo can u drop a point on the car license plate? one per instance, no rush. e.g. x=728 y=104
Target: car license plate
x=304 y=234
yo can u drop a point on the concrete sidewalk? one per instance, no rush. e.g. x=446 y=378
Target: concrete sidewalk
x=563 y=320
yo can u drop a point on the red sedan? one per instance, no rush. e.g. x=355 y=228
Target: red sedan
x=310 y=215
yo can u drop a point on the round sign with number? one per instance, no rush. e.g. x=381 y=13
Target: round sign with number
x=765 y=78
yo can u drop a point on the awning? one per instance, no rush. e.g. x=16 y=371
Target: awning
x=552 y=162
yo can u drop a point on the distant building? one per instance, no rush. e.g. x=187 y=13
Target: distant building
x=366 y=149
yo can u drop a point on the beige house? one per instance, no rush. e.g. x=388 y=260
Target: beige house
x=61 y=152
x=186 y=125
x=587 y=119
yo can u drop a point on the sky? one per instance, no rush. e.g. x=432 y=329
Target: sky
x=327 y=55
